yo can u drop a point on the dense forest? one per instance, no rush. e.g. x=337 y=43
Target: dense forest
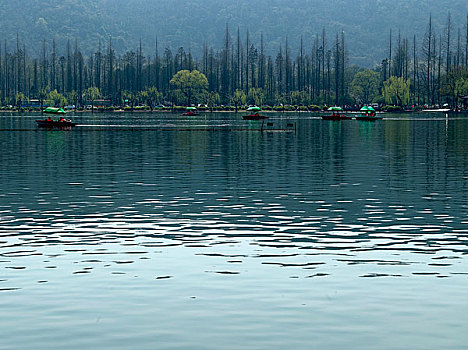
x=430 y=69
x=190 y=23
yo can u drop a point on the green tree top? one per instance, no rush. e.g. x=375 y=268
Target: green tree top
x=190 y=83
x=56 y=98
x=239 y=98
x=91 y=93
x=396 y=91
x=365 y=85
x=256 y=96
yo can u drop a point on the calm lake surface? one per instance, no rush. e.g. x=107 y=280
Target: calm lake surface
x=156 y=231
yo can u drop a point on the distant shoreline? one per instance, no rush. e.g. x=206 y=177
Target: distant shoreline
x=179 y=111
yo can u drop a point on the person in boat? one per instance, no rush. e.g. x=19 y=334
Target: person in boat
x=62 y=119
x=256 y=114
x=49 y=119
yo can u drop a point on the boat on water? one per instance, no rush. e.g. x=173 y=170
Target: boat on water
x=367 y=114
x=50 y=123
x=54 y=110
x=337 y=114
x=254 y=115
x=190 y=111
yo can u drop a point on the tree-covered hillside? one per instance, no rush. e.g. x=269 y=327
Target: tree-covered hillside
x=188 y=23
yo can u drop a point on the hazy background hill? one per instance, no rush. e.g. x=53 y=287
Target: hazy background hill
x=188 y=23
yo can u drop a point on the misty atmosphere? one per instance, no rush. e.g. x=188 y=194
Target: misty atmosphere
x=188 y=24
x=233 y=174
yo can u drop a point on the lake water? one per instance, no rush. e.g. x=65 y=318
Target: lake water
x=140 y=231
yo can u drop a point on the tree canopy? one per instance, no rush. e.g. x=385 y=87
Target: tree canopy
x=396 y=91
x=365 y=86
x=190 y=83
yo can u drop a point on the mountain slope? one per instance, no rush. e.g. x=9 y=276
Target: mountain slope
x=188 y=23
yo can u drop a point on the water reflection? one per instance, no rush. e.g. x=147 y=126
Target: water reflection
x=334 y=187
x=207 y=232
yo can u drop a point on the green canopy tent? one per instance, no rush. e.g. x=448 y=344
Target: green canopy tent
x=190 y=111
x=54 y=110
x=335 y=108
x=254 y=108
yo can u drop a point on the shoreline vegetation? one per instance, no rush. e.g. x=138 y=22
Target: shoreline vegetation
x=231 y=109
x=416 y=74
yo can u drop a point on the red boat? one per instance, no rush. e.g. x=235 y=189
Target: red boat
x=49 y=123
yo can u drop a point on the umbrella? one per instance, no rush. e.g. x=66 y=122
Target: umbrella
x=254 y=108
x=364 y=108
x=335 y=108
x=191 y=108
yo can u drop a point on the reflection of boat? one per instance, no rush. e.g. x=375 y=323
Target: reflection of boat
x=54 y=110
x=367 y=117
x=367 y=113
x=254 y=114
x=49 y=123
x=336 y=115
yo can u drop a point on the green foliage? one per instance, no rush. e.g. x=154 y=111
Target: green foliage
x=73 y=97
x=42 y=94
x=392 y=108
x=299 y=98
x=256 y=96
x=281 y=99
x=456 y=84
x=128 y=97
x=212 y=98
x=91 y=94
x=239 y=98
x=396 y=91
x=142 y=96
x=177 y=97
x=189 y=83
x=461 y=87
x=57 y=99
x=153 y=97
x=19 y=99
x=365 y=86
